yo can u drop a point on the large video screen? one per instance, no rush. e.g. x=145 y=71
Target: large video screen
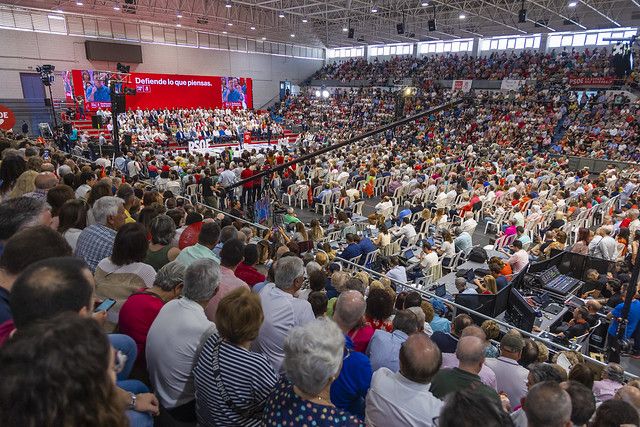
x=165 y=91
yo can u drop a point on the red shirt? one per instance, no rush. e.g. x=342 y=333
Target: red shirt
x=361 y=337
x=246 y=173
x=136 y=316
x=249 y=274
x=5 y=331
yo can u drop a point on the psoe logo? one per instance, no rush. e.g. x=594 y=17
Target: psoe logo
x=7 y=118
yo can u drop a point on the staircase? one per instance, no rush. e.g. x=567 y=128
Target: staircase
x=85 y=125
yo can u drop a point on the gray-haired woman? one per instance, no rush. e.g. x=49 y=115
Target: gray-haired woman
x=313 y=359
x=160 y=251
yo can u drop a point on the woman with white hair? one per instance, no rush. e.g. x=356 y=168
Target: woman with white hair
x=313 y=359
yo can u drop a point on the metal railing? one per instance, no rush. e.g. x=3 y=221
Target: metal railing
x=408 y=286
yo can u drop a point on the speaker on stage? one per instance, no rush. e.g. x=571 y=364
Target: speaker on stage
x=400 y=27
x=352 y=33
x=432 y=24
x=118 y=102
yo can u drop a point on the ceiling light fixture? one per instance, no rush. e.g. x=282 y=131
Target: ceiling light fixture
x=280 y=15
x=293 y=35
x=56 y=17
x=462 y=16
x=224 y=32
x=572 y=4
x=79 y=3
x=228 y=4
x=178 y=25
x=230 y=24
x=374 y=9
x=253 y=28
x=345 y=29
x=116 y=7
x=304 y=20
x=264 y=38
x=179 y=15
x=424 y=4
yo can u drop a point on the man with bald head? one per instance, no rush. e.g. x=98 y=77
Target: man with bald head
x=449 y=360
x=44 y=182
x=403 y=398
x=548 y=405
x=470 y=354
x=630 y=395
x=349 y=390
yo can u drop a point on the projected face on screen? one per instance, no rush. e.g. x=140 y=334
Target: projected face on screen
x=234 y=91
x=95 y=86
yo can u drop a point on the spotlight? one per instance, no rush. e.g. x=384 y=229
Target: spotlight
x=374 y=9
x=125 y=69
x=227 y=4
x=293 y=35
x=325 y=94
x=572 y=4
x=345 y=29
x=318 y=94
x=178 y=25
x=304 y=21
x=280 y=15
x=230 y=24
x=116 y=7
x=462 y=16
x=264 y=38
x=253 y=28
x=79 y=3
x=224 y=32
x=424 y=4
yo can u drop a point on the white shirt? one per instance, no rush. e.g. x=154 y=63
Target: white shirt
x=398 y=273
x=81 y=191
x=511 y=378
x=518 y=261
x=469 y=225
x=406 y=230
x=282 y=312
x=173 y=343
x=428 y=260
x=394 y=400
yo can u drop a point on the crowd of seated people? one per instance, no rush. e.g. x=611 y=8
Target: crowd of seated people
x=122 y=301
x=157 y=127
x=550 y=67
x=231 y=326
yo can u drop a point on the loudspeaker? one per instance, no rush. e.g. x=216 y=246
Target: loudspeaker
x=47 y=102
x=96 y=121
x=432 y=24
x=522 y=16
x=66 y=126
x=118 y=103
x=352 y=32
x=400 y=28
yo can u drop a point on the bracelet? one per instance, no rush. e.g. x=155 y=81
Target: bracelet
x=132 y=404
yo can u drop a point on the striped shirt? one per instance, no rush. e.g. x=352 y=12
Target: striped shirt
x=247 y=377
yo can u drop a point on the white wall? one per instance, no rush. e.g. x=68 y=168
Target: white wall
x=23 y=51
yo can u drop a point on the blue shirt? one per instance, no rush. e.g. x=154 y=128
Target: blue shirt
x=463 y=242
x=349 y=390
x=366 y=246
x=384 y=349
x=440 y=324
x=351 y=251
x=5 y=309
x=95 y=243
x=633 y=318
x=446 y=342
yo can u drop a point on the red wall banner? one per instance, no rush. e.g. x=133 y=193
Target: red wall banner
x=166 y=91
x=591 y=81
x=7 y=118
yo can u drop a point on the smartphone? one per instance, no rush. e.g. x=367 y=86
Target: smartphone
x=105 y=305
x=47 y=154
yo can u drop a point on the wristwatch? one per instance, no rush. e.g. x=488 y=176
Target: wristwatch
x=132 y=404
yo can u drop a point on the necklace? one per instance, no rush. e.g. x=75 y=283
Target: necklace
x=322 y=400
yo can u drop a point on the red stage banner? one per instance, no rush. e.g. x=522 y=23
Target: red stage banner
x=591 y=81
x=166 y=91
x=7 y=118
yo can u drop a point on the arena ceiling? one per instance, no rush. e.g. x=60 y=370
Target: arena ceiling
x=326 y=22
